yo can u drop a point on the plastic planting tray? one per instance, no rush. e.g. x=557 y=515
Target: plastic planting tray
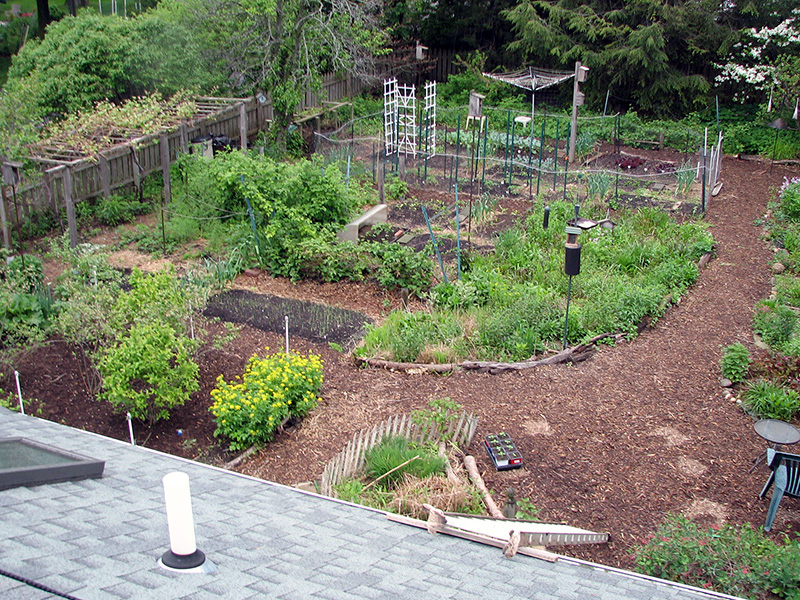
x=502 y=451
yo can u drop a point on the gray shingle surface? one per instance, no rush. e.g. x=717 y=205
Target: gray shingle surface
x=101 y=538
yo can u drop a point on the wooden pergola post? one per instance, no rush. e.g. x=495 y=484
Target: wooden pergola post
x=164 y=147
x=243 y=126
x=72 y=224
x=6 y=236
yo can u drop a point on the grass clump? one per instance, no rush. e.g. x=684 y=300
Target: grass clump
x=768 y=400
x=383 y=462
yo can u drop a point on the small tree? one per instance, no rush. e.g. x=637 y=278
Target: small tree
x=148 y=372
x=285 y=46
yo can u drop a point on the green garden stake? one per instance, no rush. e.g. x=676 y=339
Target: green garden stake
x=566 y=168
x=374 y=162
x=512 y=152
x=541 y=156
x=605 y=107
x=427 y=149
x=347 y=178
x=252 y=217
x=530 y=167
x=485 y=141
x=555 y=159
x=717 y=98
x=505 y=156
x=703 y=205
x=444 y=156
x=458 y=148
x=435 y=245
x=458 y=237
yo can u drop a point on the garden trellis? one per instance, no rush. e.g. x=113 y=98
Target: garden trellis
x=402 y=133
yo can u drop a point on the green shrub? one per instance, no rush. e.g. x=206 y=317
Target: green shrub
x=401 y=267
x=271 y=389
x=440 y=415
x=406 y=335
x=774 y=322
x=395 y=188
x=788 y=290
x=735 y=362
x=789 y=199
x=116 y=210
x=768 y=400
x=734 y=560
x=148 y=372
x=393 y=452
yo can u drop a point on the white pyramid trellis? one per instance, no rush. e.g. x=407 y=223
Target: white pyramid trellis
x=407 y=119
x=390 y=114
x=430 y=118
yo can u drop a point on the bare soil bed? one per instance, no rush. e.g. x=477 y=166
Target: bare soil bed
x=612 y=444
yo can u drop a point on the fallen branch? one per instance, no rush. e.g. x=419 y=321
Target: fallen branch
x=475 y=476
x=575 y=354
x=236 y=461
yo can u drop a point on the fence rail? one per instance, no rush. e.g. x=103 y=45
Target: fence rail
x=350 y=461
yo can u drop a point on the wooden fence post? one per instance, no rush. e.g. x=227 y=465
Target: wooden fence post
x=243 y=126
x=71 y=222
x=164 y=147
x=6 y=237
x=184 y=132
x=105 y=176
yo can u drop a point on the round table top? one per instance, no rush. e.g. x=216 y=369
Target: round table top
x=777 y=432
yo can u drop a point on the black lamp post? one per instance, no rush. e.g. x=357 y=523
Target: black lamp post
x=572 y=253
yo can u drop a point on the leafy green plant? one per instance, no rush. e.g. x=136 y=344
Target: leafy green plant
x=768 y=400
x=272 y=388
x=395 y=188
x=526 y=509
x=116 y=210
x=736 y=560
x=597 y=184
x=383 y=460
x=789 y=199
x=788 y=290
x=148 y=372
x=684 y=178
x=735 y=362
x=440 y=415
x=774 y=322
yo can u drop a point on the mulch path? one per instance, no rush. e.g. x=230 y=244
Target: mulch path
x=612 y=444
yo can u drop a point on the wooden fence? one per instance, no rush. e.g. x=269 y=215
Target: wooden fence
x=65 y=183
x=351 y=460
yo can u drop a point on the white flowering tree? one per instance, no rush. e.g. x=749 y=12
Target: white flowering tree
x=765 y=63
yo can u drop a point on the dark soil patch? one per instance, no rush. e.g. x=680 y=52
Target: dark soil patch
x=312 y=321
x=612 y=444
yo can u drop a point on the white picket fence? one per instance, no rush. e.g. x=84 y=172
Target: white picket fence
x=350 y=461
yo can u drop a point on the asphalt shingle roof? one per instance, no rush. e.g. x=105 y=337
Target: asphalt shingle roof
x=101 y=538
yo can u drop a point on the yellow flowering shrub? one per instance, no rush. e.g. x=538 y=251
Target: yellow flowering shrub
x=249 y=409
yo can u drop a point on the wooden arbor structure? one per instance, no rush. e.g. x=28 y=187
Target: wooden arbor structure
x=77 y=165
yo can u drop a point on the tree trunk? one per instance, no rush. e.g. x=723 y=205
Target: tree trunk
x=43 y=15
